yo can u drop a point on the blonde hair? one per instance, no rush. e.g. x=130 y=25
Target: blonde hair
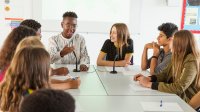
x=30 y=41
x=122 y=35
x=29 y=69
x=184 y=43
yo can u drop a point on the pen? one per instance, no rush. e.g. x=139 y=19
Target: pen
x=74 y=78
x=160 y=103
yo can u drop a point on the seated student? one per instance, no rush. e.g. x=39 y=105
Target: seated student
x=28 y=71
x=195 y=101
x=47 y=100
x=119 y=44
x=161 y=56
x=182 y=73
x=8 y=49
x=62 y=46
x=56 y=84
x=37 y=27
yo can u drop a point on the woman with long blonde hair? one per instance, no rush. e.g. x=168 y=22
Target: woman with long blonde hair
x=34 y=41
x=119 y=47
x=28 y=71
x=181 y=77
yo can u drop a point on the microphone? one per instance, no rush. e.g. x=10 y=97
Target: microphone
x=114 y=71
x=76 y=70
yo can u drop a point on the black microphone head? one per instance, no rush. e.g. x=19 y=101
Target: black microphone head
x=116 y=56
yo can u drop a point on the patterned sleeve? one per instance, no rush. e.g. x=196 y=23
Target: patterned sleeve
x=53 y=50
x=84 y=58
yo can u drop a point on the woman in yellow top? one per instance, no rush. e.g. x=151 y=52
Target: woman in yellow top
x=119 y=47
x=181 y=77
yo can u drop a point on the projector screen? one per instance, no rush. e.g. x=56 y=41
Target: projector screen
x=95 y=16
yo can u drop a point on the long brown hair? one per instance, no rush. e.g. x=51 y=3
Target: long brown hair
x=122 y=35
x=29 y=69
x=183 y=44
x=11 y=42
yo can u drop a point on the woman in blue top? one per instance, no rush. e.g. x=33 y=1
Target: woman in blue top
x=119 y=47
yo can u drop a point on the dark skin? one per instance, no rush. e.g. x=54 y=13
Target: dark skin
x=69 y=27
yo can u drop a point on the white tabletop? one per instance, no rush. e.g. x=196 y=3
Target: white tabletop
x=124 y=103
x=90 y=83
x=123 y=84
x=101 y=91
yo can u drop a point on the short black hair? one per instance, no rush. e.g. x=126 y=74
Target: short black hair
x=70 y=14
x=31 y=23
x=48 y=100
x=168 y=28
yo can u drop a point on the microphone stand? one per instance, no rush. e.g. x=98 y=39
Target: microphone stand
x=76 y=69
x=114 y=71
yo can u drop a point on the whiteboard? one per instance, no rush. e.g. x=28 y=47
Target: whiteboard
x=96 y=16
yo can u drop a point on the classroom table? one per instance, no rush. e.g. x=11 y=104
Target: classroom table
x=90 y=83
x=101 y=91
x=124 y=103
x=122 y=83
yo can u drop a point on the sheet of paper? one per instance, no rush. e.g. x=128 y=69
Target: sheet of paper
x=135 y=69
x=135 y=72
x=58 y=77
x=135 y=86
x=166 y=107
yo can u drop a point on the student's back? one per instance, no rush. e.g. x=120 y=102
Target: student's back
x=48 y=100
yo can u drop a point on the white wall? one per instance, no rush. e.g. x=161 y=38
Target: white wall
x=153 y=13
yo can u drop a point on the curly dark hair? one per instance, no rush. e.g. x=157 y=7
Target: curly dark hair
x=31 y=23
x=70 y=14
x=47 y=100
x=11 y=42
x=168 y=28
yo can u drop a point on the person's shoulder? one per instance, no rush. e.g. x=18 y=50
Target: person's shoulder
x=108 y=40
x=130 y=41
x=55 y=37
x=77 y=35
x=190 y=57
